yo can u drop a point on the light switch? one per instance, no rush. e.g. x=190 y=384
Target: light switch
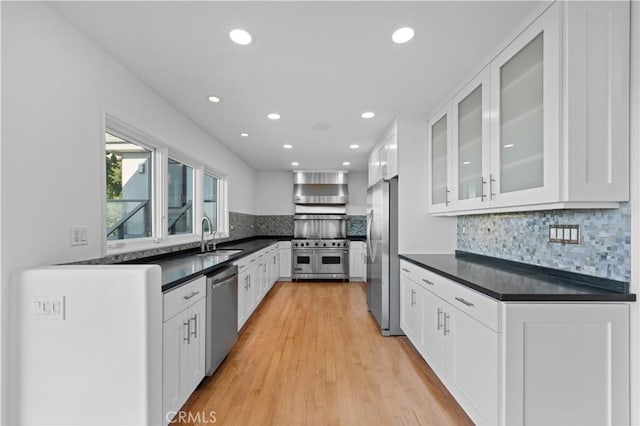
x=48 y=307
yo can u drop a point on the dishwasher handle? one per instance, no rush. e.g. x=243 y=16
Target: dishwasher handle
x=222 y=275
x=229 y=280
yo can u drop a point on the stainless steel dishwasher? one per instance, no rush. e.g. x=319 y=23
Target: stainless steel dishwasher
x=222 y=316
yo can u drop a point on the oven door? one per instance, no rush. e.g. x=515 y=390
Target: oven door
x=332 y=263
x=303 y=260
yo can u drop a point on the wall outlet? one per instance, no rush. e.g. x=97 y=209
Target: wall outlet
x=79 y=236
x=567 y=234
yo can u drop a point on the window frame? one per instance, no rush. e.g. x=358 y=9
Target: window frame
x=160 y=154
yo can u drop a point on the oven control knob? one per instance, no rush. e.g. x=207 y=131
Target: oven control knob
x=307 y=243
x=333 y=244
x=316 y=243
x=325 y=244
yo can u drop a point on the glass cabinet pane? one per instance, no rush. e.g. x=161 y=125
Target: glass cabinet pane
x=521 y=124
x=470 y=145
x=439 y=161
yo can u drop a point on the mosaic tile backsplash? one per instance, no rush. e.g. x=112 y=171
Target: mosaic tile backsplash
x=604 y=249
x=242 y=226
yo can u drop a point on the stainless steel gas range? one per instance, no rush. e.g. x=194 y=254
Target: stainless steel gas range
x=320 y=259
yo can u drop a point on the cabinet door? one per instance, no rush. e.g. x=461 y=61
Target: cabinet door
x=438 y=155
x=411 y=311
x=525 y=130
x=254 y=289
x=392 y=152
x=173 y=332
x=472 y=365
x=285 y=263
x=433 y=337
x=364 y=264
x=276 y=267
x=194 y=364
x=243 y=298
x=374 y=166
x=471 y=149
x=566 y=364
x=355 y=263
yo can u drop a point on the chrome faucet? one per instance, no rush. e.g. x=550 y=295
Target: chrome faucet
x=208 y=222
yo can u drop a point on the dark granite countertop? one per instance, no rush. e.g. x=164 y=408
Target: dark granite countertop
x=182 y=267
x=513 y=281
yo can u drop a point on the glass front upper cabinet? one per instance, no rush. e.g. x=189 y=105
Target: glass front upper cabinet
x=438 y=149
x=525 y=132
x=471 y=144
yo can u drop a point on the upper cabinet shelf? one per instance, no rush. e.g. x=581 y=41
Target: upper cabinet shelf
x=545 y=125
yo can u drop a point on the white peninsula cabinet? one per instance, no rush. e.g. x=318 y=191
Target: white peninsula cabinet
x=357 y=261
x=183 y=346
x=545 y=124
x=520 y=363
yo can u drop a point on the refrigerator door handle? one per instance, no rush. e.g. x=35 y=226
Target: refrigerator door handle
x=369 y=239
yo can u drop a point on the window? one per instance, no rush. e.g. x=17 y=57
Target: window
x=179 y=198
x=210 y=197
x=129 y=169
x=156 y=195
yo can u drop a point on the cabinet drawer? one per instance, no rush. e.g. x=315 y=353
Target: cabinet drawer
x=184 y=296
x=409 y=270
x=246 y=262
x=478 y=306
x=435 y=283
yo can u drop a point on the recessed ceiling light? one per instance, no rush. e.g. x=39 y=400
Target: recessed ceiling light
x=466 y=163
x=287 y=146
x=368 y=114
x=244 y=134
x=346 y=163
x=295 y=163
x=273 y=116
x=214 y=99
x=509 y=145
x=402 y=35
x=241 y=37
x=354 y=146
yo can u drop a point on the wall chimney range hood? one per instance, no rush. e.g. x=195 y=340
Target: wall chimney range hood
x=320 y=189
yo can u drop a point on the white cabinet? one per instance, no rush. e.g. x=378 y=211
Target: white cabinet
x=256 y=275
x=471 y=145
x=284 y=248
x=183 y=345
x=520 y=363
x=438 y=159
x=545 y=124
x=357 y=261
x=383 y=159
x=472 y=363
x=525 y=130
x=566 y=364
x=412 y=311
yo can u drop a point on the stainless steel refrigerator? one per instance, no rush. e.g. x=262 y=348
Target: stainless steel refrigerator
x=383 y=265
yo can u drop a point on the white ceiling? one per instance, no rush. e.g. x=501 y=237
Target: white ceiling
x=318 y=64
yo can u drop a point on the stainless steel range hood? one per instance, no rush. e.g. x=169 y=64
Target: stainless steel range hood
x=320 y=189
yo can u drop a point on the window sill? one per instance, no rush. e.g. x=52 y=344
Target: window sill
x=149 y=244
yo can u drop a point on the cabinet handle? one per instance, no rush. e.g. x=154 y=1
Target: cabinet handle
x=188 y=334
x=439 y=322
x=241 y=266
x=194 y=293
x=446 y=324
x=491 y=180
x=406 y=270
x=252 y=260
x=482 y=183
x=427 y=281
x=194 y=333
x=413 y=293
x=446 y=196
x=464 y=302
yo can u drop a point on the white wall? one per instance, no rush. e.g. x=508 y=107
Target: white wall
x=634 y=139
x=274 y=193
x=419 y=232
x=56 y=86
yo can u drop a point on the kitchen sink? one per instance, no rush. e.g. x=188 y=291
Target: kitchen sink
x=219 y=253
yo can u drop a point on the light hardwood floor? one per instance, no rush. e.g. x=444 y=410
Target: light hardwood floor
x=311 y=355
